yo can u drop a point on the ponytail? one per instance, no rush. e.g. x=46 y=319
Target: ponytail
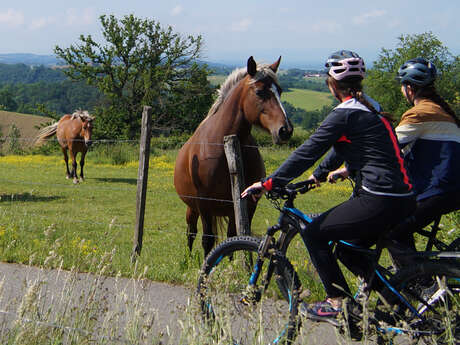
x=429 y=92
x=352 y=86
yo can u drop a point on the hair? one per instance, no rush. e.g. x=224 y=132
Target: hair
x=353 y=86
x=429 y=92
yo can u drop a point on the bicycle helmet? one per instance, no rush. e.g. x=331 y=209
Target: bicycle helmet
x=417 y=71
x=345 y=63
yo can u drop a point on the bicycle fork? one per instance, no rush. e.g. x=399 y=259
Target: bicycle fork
x=252 y=294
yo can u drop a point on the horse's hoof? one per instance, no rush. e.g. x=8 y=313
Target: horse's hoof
x=75 y=181
x=82 y=179
x=67 y=177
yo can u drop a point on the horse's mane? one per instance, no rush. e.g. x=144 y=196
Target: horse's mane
x=263 y=71
x=83 y=115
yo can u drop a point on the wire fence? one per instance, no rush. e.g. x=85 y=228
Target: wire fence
x=102 y=151
x=30 y=181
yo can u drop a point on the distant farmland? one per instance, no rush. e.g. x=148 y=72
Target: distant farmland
x=27 y=124
x=307 y=99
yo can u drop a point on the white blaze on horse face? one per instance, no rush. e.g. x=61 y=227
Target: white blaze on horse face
x=277 y=96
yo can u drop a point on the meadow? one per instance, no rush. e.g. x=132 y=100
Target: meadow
x=41 y=213
x=307 y=99
x=48 y=222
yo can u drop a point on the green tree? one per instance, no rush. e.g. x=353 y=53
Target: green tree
x=7 y=101
x=380 y=82
x=140 y=63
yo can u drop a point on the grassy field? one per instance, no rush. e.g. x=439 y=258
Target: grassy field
x=41 y=213
x=307 y=99
x=47 y=221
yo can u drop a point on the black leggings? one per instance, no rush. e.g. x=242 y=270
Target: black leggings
x=360 y=220
x=427 y=211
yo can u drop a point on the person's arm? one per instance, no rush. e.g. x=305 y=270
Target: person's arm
x=331 y=162
x=331 y=129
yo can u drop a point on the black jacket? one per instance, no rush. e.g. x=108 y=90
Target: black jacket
x=365 y=141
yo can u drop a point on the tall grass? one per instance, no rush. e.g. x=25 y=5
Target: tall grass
x=67 y=307
x=47 y=221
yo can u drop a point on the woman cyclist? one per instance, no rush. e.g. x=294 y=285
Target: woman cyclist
x=363 y=139
x=429 y=135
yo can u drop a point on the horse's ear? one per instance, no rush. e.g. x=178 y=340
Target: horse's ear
x=252 y=67
x=275 y=65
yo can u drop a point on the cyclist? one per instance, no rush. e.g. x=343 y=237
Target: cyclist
x=429 y=135
x=364 y=139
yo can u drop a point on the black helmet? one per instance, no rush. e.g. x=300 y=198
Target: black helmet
x=345 y=63
x=417 y=71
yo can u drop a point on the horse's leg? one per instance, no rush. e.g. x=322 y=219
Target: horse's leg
x=82 y=163
x=208 y=239
x=74 y=166
x=231 y=227
x=192 y=220
x=66 y=159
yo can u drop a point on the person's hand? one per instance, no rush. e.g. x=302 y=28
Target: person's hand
x=256 y=190
x=317 y=182
x=341 y=173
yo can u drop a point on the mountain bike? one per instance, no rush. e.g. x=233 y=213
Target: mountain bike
x=249 y=291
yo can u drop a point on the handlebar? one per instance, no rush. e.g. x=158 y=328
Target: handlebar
x=291 y=190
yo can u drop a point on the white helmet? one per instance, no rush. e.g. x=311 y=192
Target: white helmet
x=345 y=63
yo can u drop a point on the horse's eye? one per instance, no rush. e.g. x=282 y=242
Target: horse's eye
x=263 y=93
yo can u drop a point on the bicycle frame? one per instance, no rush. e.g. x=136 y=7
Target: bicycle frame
x=293 y=221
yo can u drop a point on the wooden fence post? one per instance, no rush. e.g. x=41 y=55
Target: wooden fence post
x=235 y=166
x=142 y=176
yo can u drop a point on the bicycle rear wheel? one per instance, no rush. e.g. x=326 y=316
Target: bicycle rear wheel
x=433 y=290
x=241 y=313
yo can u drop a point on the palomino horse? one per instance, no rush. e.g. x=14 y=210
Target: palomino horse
x=249 y=96
x=73 y=133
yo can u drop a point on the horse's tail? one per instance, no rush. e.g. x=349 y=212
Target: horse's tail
x=45 y=133
x=219 y=226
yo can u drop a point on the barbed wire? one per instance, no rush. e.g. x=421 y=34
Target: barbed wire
x=103 y=141
x=163 y=139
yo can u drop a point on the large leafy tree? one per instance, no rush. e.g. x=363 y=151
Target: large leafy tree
x=380 y=81
x=141 y=63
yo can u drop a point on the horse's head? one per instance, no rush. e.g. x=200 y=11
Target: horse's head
x=262 y=104
x=86 y=127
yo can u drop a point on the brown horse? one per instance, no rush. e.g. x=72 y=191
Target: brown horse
x=73 y=133
x=249 y=96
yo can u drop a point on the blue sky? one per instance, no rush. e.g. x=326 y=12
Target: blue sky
x=303 y=32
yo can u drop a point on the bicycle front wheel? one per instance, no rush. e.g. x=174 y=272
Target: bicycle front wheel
x=234 y=300
x=432 y=289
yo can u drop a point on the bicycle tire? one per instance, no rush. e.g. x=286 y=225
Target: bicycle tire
x=441 y=321
x=237 y=314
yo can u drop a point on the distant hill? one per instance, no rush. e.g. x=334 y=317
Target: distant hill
x=30 y=59
x=27 y=125
x=20 y=73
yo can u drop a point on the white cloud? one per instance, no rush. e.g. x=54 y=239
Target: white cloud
x=177 y=10
x=12 y=17
x=242 y=25
x=40 y=23
x=366 y=17
x=76 y=17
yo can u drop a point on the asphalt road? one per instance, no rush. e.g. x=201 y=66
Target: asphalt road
x=161 y=309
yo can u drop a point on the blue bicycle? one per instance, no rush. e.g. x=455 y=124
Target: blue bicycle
x=249 y=291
